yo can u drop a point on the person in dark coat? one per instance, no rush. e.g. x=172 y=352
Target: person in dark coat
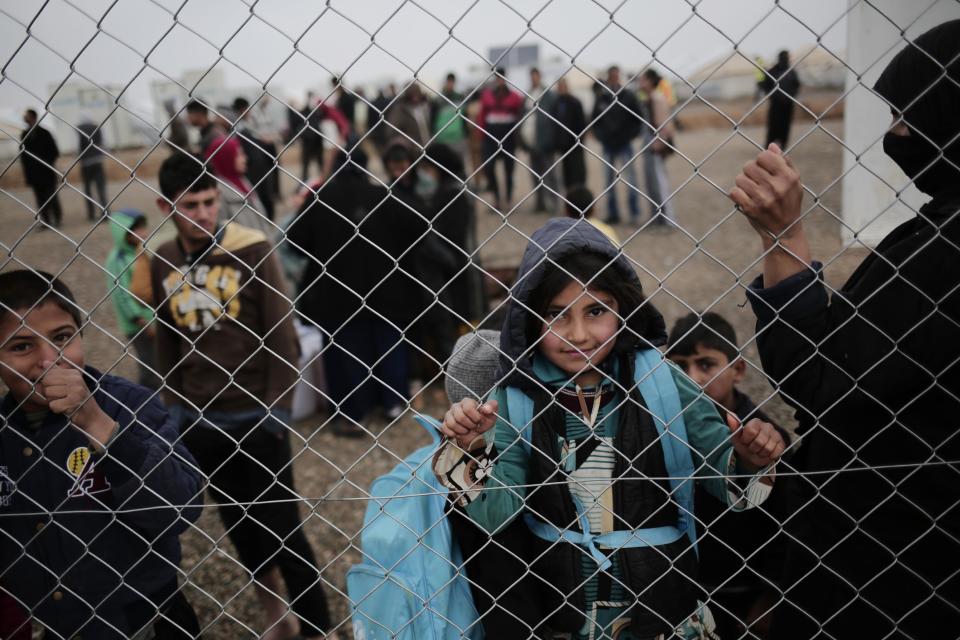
x=39 y=157
x=616 y=118
x=569 y=122
x=450 y=208
x=91 y=154
x=872 y=370
x=261 y=156
x=782 y=84
x=353 y=232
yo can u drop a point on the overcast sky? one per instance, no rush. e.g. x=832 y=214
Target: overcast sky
x=292 y=45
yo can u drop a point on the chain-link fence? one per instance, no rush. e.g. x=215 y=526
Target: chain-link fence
x=533 y=320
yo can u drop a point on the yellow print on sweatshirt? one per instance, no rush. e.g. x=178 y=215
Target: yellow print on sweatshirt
x=198 y=298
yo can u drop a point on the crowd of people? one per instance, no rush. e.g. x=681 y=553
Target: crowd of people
x=589 y=414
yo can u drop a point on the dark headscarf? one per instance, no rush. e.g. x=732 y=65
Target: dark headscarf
x=921 y=84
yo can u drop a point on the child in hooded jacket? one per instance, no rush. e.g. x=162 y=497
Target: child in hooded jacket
x=593 y=456
x=135 y=317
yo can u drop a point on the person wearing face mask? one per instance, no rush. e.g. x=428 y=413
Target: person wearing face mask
x=873 y=369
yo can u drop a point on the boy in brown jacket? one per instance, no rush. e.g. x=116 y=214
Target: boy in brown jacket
x=227 y=345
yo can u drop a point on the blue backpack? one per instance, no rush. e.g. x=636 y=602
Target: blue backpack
x=411 y=583
x=659 y=391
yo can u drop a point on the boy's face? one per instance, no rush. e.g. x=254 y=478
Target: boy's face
x=579 y=330
x=196 y=214
x=30 y=344
x=713 y=372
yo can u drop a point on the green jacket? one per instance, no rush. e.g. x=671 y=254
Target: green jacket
x=119 y=266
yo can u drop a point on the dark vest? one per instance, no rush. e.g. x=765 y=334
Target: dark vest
x=664 y=578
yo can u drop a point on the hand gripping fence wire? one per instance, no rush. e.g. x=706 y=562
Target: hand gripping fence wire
x=293 y=323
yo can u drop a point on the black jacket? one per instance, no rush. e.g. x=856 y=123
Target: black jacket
x=362 y=243
x=874 y=373
x=39 y=155
x=569 y=124
x=106 y=534
x=619 y=116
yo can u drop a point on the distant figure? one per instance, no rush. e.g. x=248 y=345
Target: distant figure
x=448 y=119
x=378 y=112
x=344 y=101
x=90 y=153
x=261 y=162
x=500 y=111
x=538 y=131
x=616 y=118
x=569 y=121
x=658 y=144
x=409 y=117
x=782 y=80
x=311 y=137
x=39 y=157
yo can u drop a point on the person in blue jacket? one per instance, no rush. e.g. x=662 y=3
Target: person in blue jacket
x=94 y=487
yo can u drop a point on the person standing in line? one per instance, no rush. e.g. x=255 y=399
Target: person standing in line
x=409 y=118
x=539 y=137
x=309 y=129
x=500 y=110
x=616 y=115
x=260 y=163
x=568 y=124
x=448 y=119
x=227 y=348
x=658 y=144
x=782 y=85
x=91 y=153
x=134 y=317
x=39 y=155
x=344 y=101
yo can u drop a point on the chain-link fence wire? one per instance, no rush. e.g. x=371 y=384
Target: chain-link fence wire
x=375 y=262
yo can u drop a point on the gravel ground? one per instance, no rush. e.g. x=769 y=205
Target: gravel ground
x=703 y=266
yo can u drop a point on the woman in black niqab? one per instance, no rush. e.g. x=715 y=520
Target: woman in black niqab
x=873 y=371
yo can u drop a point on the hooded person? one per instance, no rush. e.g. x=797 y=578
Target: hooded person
x=872 y=370
x=134 y=316
x=577 y=338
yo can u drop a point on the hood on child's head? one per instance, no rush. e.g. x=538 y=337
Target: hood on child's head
x=121 y=222
x=553 y=242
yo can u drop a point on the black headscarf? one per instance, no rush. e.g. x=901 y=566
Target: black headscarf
x=922 y=83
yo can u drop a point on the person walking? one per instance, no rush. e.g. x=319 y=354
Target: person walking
x=616 y=117
x=39 y=155
x=91 y=154
x=782 y=85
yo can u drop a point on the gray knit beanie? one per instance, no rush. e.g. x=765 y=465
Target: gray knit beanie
x=472 y=367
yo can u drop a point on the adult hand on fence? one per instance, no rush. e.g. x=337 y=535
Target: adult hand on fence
x=757 y=443
x=769 y=193
x=467 y=419
x=67 y=393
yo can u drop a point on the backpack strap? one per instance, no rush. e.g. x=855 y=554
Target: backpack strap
x=659 y=391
